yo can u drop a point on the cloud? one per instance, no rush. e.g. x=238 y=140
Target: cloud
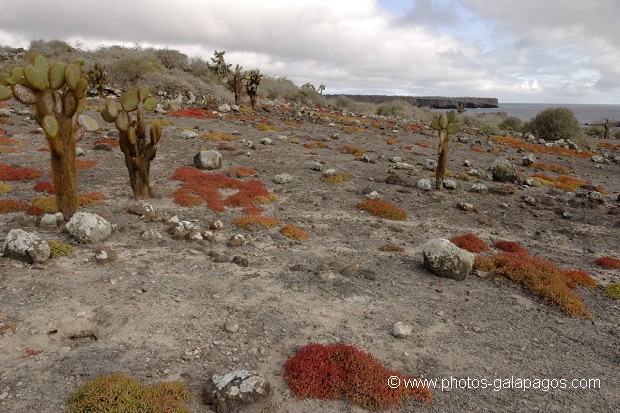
x=422 y=47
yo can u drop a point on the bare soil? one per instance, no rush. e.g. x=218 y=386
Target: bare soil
x=159 y=312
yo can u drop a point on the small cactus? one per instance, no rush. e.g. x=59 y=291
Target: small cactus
x=219 y=64
x=98 y=78
x=447 y=125
x=252 y=80
x=57 y=93
x=138 y=150
x=235 y=82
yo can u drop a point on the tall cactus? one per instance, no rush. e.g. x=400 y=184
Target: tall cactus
x=447 y=125
x=57 y=94
x=98 y=77
x=252 y=80
x=138 y=150
x=235 y=82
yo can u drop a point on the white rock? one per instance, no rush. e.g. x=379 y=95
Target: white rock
x=449 y=184
x=89 y=228
x=330 y=172
x=283 y=178
x=424 y=184
x=479 y=188
x=402 y=330
x=208 y=160
x=26 y=246
x=444 y=259
x=188 y=134
x=405 y=166
x=316 y=166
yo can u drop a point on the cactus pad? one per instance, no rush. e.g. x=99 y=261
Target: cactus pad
x=143 y=93
x=112 y=108
x=122 y=121
x=155 y=133
x=5 y=92
x=57 y=75
x=72 y=76
x=37 y=79
x=150 y=103
x=24 y=94
x=130 y=100
x=50 y=125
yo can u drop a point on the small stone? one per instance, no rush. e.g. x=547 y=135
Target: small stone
x=151 y=234
x=467 y=207
x=234 y=390
x=372 y=195
x=424 y=184
x=236 y=241
x=188 y=134
x=503 y=170
x=208 y=160
x=216 y=226
x=266 y=141
x=316 y=166
x=283 y=178
x=240 y=261
x=350 y=270
x=26 y=246
x=599 y=159
x=231 y=327
x=402 y=330
x=444 y=259
x=528 y=159
x=479 y=188
x=430 y=165
x=449 y=184
x=529 y=200
x=4 y=395
x=394 y=179
x=396 y=159
x=404 y=166
x=105 y=255
x=330 y=172
x=566 y=215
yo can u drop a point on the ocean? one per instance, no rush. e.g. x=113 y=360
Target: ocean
x=585 y=114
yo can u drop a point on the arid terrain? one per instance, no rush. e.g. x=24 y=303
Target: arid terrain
x=182 y=310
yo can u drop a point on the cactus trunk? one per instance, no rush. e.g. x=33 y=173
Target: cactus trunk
x=442 y=161
x=64 y=170
x=139 y=177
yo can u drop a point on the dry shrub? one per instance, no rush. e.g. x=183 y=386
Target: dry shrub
x=119 y=393
x=336 y=179
x=391 y=247
x=551 y=167
x=612 y=290
x=5 y=188
x=353 y=150
x=214 y=136
x=8 y=206
x=341 y=372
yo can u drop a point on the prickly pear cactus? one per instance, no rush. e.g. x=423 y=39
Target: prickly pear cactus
x=446 y=124
x=252 y=80
x=98 y=78
x=57 y=93
x=235 y=82
x=139 y=150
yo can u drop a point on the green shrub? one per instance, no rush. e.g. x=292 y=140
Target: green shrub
x=172 y=59
x=511 y=123
x=553 y=124
x=128 y=71
x=397 y=108
x=595 y=131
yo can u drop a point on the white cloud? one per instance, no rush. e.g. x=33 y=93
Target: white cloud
x=557 y=48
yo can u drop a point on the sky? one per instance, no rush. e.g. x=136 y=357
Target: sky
x=519 y=51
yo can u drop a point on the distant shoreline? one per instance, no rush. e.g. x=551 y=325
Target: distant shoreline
x=434 y=102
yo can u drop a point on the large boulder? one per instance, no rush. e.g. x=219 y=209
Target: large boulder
x=208 y=160
x=503 y=170
x=236 y=389
x=26 y=246
x=89 y=228
x=444 y=259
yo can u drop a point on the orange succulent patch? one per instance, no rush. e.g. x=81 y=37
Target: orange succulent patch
x=215 y=136
x=609 y=263
x=551 y=167
x=108 y=141
x=478 y=149
x=421 y=144
x=194 y=113
x=543 y=278
x=9 y=173
x=251 y=220
x=85 y=163
x=341 y=372
x=510 y=246
x=316 y=145
x=382 y=209
x=199 y=187
x=45 y=187
x=391 y=141
x=8 y=206
x=470 y=242
x=264 y=127
x=532 y=147
x=353 y=150
x=243 y=172
x=293 y=232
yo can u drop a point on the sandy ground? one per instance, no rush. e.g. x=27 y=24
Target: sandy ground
x=159 y=312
